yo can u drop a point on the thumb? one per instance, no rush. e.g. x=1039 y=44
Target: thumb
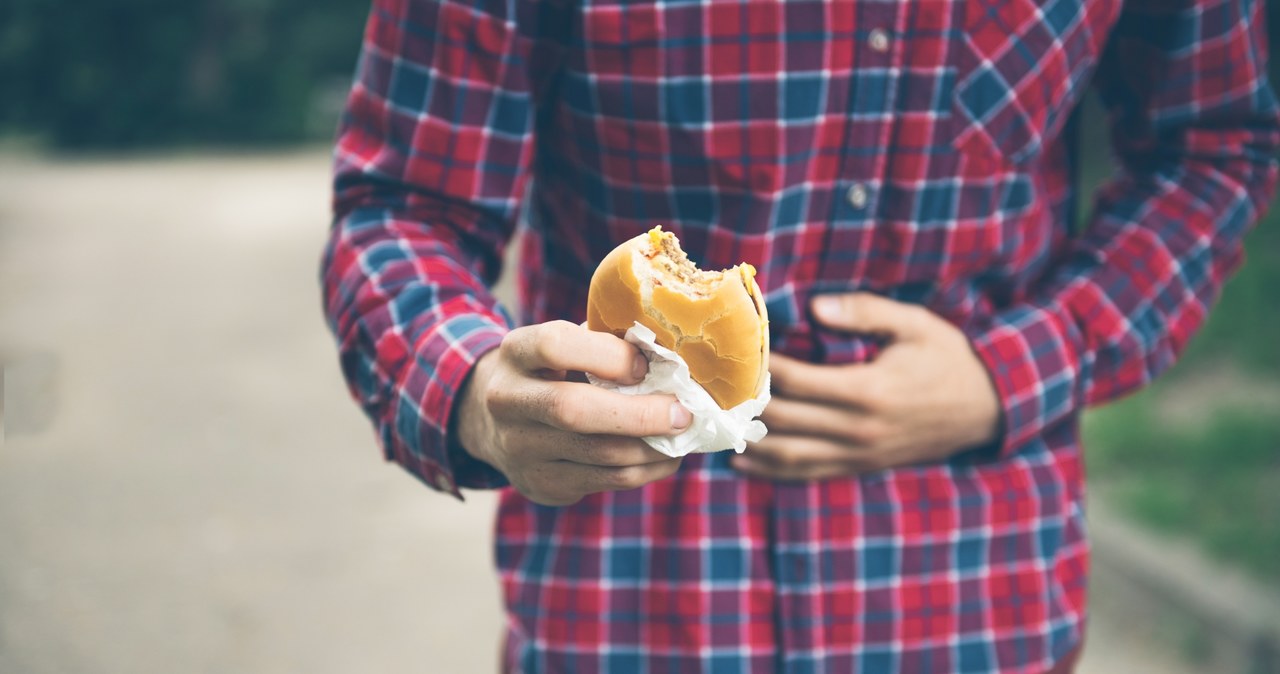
x=865 y=312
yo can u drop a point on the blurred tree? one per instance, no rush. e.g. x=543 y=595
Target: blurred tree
x=136 y=73
x=133 y=73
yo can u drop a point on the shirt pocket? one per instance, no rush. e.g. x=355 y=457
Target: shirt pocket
x=1022 y=67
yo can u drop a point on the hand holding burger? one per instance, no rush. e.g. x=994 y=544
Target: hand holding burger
x=558 y=440
x=555 y=439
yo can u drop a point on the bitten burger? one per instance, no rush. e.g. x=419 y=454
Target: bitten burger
x=715 y=320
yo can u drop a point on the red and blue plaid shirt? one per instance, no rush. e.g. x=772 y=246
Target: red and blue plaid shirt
x=922 y=149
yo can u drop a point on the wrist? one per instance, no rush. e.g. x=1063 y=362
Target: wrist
x=474 y=424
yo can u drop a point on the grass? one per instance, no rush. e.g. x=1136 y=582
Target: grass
x=1218 y=483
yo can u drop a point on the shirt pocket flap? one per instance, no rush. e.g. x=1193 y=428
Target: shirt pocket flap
x=1022 y=67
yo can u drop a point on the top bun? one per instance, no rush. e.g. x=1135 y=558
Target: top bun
x=715 y=320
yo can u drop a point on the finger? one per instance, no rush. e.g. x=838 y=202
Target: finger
x=566 y=481
x=794 y=457
x=762 y=469
x=589 y=410
x=866 y=312
x=791 y=378
x=621 y=478
x=789 y=416
x=785 y=449
x=563 y=346
x=598 y=450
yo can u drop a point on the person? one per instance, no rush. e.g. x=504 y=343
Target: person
x=903 y=175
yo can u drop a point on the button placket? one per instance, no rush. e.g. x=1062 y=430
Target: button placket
x=878 y=69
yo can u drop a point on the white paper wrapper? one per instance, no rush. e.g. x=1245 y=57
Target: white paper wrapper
x=713 y=429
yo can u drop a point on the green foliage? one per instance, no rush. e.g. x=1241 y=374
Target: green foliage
x=1218 y=483
x=144 y=73
x=137 y=73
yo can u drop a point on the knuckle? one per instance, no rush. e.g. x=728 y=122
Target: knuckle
x=553 y=403
x=604 y=456
x=917 y=318
x=592 y=449
x=873 y=393
x=517 y=344
x=669 y=468
x=626 y=477
x=512 y=340
x=613 y=452
x=549 y=342
x=913 y=312
x=873 y=431
x=566 y=409
x=785 y=459
x=560 y=327
x=952 y=336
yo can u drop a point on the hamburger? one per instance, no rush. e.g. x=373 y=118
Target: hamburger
x=715 y=320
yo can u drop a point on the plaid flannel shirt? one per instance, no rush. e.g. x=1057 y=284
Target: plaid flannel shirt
x=921 y=149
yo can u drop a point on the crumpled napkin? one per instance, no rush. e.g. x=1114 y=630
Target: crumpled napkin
x=713 y=429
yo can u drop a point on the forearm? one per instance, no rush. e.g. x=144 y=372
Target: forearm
x=1198 y=146
x=426 y=195
x=1123 y=304
x=410 y=321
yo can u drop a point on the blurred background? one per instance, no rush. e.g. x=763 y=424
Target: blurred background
x=185 y=486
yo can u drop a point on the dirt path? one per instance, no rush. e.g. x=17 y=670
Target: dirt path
x=205 y=497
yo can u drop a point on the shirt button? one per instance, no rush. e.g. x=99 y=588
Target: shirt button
x=879 y=40
x=443 y=482
x=857 y=195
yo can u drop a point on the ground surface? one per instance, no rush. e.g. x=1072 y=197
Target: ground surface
x=203 y=497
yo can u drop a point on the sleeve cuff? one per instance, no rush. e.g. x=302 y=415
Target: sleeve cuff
x=1031 y=356
x=425 y=395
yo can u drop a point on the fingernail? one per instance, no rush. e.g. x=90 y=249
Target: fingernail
x=680 y=417
x=639 y=366
x=827 y=307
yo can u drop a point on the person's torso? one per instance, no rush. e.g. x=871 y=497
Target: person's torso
x=917 y=148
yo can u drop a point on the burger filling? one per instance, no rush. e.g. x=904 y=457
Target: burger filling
x=674 y=269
